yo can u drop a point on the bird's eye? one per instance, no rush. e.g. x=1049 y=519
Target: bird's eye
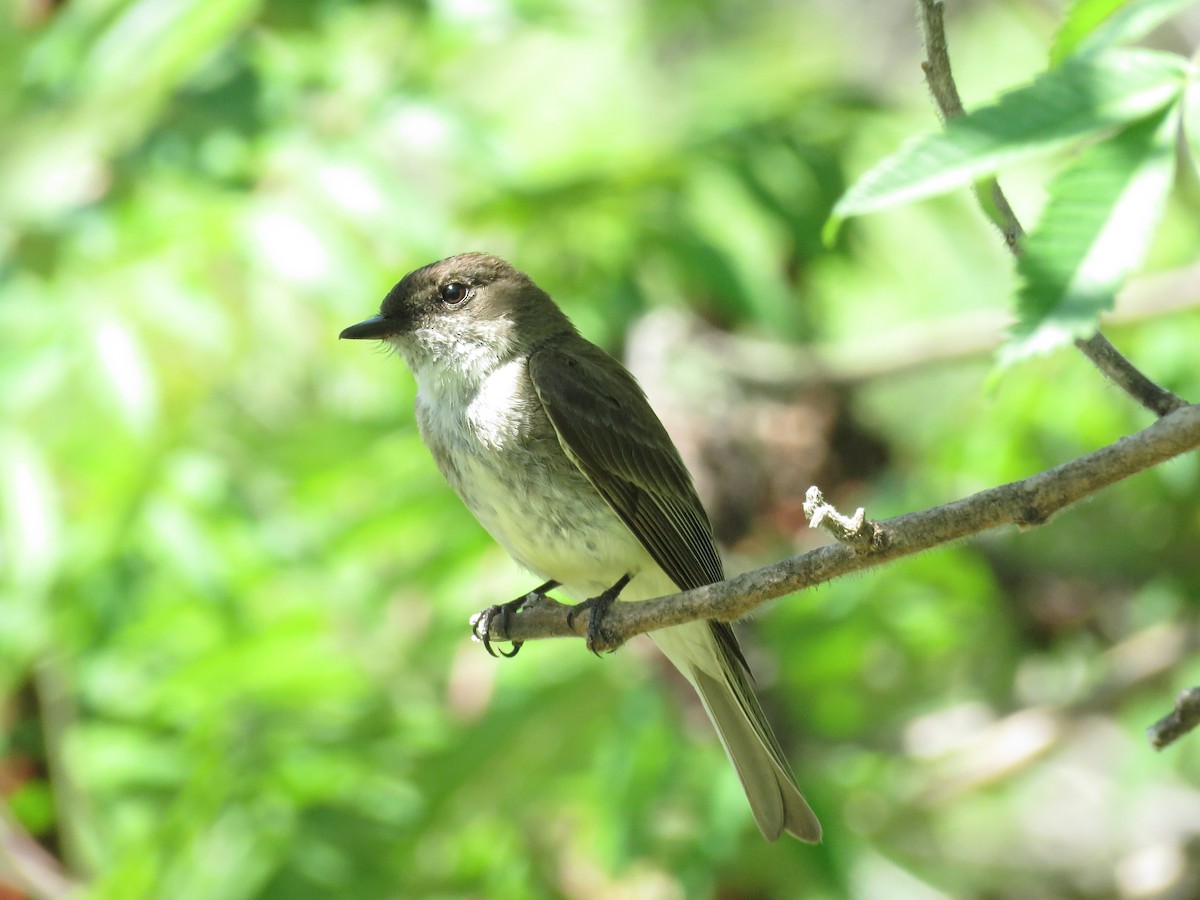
x=453 y=293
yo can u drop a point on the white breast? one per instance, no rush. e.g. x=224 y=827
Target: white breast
x=498 y=451
x=495 y=415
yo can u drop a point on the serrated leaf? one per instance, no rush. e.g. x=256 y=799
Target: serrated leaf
x=1093 y=25
x=1096 y=228
x=1084 y=96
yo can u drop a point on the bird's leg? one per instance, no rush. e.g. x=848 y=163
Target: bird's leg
x=597 y=607
x=481 y=622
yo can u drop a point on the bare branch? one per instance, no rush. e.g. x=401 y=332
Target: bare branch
x=937 y=60
x=940 y=79
x=1097 y=348
x=1178 y=722
x=1026 y=504
x=1127 y=376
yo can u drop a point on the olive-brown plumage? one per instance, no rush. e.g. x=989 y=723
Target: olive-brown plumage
x=554 y=448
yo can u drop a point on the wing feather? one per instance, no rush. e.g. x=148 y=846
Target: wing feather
x=607 y=427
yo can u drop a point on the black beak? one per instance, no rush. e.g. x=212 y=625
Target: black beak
x=374 y=327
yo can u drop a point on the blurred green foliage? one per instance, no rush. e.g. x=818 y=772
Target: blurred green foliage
x=233 y=591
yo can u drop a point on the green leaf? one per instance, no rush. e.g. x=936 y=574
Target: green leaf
x=1096 y=228
x=1082 y=97
x=1191 y=129
x=1081 y=20
x=1094 y=25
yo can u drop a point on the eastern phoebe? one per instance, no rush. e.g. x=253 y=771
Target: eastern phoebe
x=552 y=445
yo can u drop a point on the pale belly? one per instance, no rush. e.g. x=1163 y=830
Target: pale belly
x=563 y=532
x=505 y=462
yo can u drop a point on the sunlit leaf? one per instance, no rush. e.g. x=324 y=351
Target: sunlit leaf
x=1063 y=105
x=1081 y=19
x=1095 y=231
x=131 y=379
x=30 y=514
x=1093 y=25
x=1191 y=130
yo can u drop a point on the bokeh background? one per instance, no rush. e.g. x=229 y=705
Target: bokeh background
x=234 y=660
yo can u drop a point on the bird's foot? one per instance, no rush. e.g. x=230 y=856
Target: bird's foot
x=481 y=622
x=598 y=638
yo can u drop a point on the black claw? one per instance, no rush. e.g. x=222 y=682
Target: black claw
x=482 y=623
x=598 y=606
x=516 y=647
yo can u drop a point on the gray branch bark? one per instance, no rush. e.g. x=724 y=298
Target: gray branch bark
x=1026 y=504
x=1178 y=722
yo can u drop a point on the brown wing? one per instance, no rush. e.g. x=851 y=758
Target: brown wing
x=609 y=430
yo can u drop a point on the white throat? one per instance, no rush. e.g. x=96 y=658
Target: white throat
x=452 y=366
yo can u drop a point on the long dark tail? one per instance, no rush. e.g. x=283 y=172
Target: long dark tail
x=707 y=654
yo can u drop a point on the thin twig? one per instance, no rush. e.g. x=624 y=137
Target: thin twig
x=1178 y=722
x=937 y=60
x=1128 y=377
x=1097 y=348
x=1027 y=503
x=854 y=530
x=940 y=78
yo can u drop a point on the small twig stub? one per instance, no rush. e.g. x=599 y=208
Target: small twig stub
x=1178 y=722
x=854 y=530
